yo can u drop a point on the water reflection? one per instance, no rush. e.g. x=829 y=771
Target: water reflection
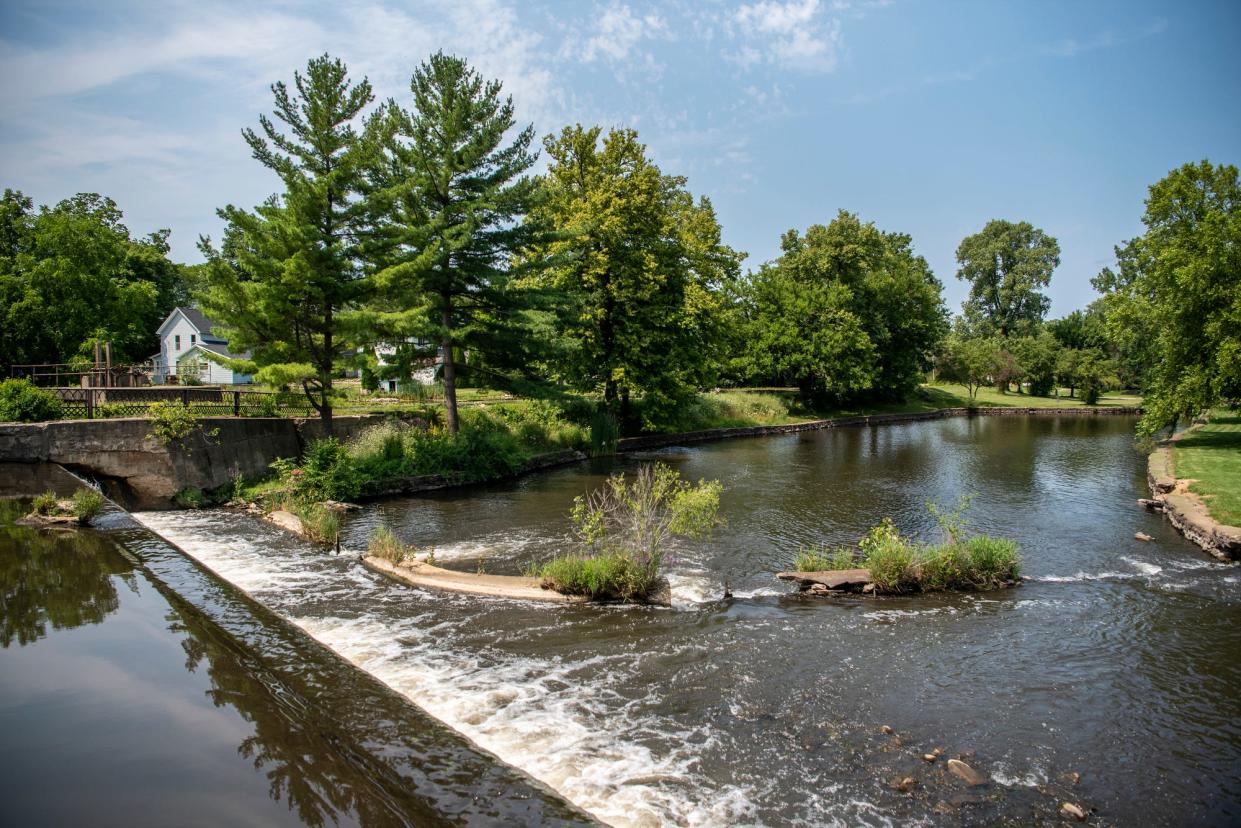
x=62 y=578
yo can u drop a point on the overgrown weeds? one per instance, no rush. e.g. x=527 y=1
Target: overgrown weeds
x=87 y=505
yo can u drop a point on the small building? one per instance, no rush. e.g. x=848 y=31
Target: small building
x=186 y=339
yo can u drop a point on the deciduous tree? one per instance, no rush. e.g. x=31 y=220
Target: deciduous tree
x=1007 y=265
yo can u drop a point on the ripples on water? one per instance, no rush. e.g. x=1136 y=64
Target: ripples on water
x=1119 y=660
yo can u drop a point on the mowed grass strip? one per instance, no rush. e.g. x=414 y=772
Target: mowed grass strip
x=1210 y=455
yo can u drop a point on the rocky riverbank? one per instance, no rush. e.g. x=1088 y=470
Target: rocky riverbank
x=1185 y=510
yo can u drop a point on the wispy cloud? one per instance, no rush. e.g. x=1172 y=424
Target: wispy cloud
x=614 y=35
x=795 y=34
x=1106 y=39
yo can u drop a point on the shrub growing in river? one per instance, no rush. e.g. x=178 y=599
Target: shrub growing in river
x=385 y=544
x=87 y=505
x=624 y=528
x=320 y=523
x=822 y=558
x=44 y=504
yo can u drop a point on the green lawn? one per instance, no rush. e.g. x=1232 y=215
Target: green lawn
x=946 y=396
x=1210 y=455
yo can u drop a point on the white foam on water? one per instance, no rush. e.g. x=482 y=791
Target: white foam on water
x=693 y=588
x=1082 y=576
x=1142 y=566
x=562 y=721
x=1010 y=778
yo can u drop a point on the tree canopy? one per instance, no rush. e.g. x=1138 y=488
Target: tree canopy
x=1178 y=287
x=1007 y=265
x=72 y=274
x=846 y=311
x=287 y=271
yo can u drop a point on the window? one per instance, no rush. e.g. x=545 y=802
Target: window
x=192 y=340
x=176 y=342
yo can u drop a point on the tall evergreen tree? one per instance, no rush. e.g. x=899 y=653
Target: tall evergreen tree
x=288 y=274
x=639 y=262
x=449 y=198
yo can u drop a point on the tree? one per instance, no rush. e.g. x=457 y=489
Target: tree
x=451 y=194
x=1178 y=289
x=72 y=274
x=969 y=361
x=846 y=311
x=1007 y=265
x=287 y=274
x=1037 y=357
x=638 y=264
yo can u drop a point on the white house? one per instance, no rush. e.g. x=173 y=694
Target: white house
x=185 y=340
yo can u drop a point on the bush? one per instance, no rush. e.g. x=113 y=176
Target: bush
x=87 y=505
x=604 y=433
x=486 y=447
x=190 y=498
x=173 y=424
x=384 y=544
x=890 y=559
x=624 y=529
x=44 y=504
x=327 y=473
x=21 y=401
x=319 y=523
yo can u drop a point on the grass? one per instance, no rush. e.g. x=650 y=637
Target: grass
x=1210 y=455
x=320 y=523
x=385 y=544
x=87 y=505
x=44 y=504
x=607 y=576
x=898 y=565
x=953 y=396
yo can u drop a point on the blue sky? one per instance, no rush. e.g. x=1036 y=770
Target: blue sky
x=928 y=118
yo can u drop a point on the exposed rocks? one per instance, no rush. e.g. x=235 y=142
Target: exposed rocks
x=1070 y=778
x=904 y=784
x=1142 y=536
x=287 y=521
x=929 y=757
x=1186 y=511
x=1072 y=810
x=887 y=729
x=834 y=580
x=425 y=575
x=966 y=773
x=1150 y=504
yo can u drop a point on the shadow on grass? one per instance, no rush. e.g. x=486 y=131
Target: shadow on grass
x=1213 y=436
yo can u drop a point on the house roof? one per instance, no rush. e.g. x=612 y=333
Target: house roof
x=198 y=319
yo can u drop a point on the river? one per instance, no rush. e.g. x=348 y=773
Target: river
x=1119 y=661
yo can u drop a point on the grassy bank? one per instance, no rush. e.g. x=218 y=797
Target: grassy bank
x=1210 y=455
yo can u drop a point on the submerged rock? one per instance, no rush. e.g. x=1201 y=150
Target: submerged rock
x=966 y=773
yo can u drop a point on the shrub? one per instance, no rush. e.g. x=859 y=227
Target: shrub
x=384 y=544
x=22 y=401
x=327 y=472
x=604 y=433
x=319 y=523
x=624 y=529
x=190 y=498
x=173 y=424
x=44 y=504
x=890 y=559
x=87 y=505
x=992 y=561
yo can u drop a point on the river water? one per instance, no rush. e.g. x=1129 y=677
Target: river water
x=1118 y=661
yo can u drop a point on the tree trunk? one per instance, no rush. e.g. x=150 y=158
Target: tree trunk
x=325 y=378
x=624 y=409
x=450 y=366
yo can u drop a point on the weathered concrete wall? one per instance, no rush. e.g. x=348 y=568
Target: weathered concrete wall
x=143 y=474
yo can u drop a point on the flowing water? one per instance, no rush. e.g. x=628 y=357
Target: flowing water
x=1119 y=660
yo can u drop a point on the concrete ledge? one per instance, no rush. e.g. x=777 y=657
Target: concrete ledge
x=432 y=482
x=425 y=575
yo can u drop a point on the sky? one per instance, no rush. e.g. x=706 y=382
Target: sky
x=927 y=118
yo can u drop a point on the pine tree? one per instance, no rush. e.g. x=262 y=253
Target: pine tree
x=449 y=198
x=288 y=274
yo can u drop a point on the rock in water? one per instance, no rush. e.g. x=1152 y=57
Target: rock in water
x=967 y=774
x=1142 y=536
x=1075 y=811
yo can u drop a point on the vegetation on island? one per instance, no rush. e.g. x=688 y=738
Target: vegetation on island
x=624 y=531
x=960 y=561
x=84 y=506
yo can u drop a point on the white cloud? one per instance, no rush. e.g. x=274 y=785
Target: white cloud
x=1070 y=47
x=794 y=34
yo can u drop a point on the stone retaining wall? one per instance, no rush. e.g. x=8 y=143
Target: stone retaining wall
x=141 y=473
x=1186 y=511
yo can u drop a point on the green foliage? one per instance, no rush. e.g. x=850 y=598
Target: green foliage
x=821 y=559
x=969 y=361
x=190 y=498
x=846 y=312
x=87 y=505
x=320 y=523
x=732 y=409
x=72 y=274
x=173 y=424
x=327 y=472
x=635 y=262
x=23 y=402
x=604 y=433
x=1038 y=356
x=624 y=528
x=44 y=504
x=449 y=197
x=899 y=565
x=385 y=544
x=1007 y=265
x=285 y=276
x=1176 y=297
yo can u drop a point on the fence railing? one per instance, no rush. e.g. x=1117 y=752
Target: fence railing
x=94 y=403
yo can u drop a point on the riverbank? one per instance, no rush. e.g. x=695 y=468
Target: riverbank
x=1195 y=478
